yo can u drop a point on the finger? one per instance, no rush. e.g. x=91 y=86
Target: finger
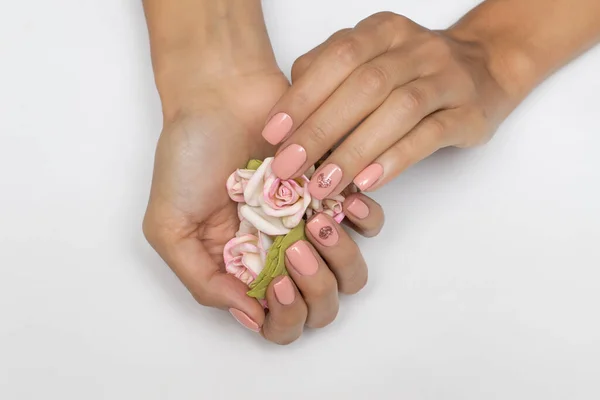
x=439 y=130
x=302 y=63
x=339 y=251
x=196 y=269
x=287 y=312
x=365 y=215
x=315 y=281
x=362 y=93
x=401 y=112
x=335 y=63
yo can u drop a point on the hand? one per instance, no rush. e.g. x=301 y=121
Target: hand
x=393 y=93
x=190 y=216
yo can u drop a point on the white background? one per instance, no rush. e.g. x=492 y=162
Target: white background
x=483 y=285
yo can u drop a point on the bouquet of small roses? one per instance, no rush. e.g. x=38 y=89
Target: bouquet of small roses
x=272 y=213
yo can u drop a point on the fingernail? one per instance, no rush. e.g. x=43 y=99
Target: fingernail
x=245 y=320
x=368 y=176
x=289 y=161
x=277 y=128
x=284 y=291
x=358 y=208
x=323 y=183
x=322 y=230
x=302 y=258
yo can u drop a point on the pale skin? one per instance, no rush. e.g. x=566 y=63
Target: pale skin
x=414 y=89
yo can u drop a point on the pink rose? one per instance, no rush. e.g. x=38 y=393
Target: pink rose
x=245 y=254
x=274 y=206
x=330 y=206
x=236 y=184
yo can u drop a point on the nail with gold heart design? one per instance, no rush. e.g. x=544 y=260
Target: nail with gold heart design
x=325 y=181
x=322 y=230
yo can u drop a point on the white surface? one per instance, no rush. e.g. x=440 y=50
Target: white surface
x=484 y=284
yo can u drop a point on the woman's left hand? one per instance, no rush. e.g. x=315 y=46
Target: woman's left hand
x=390 y=93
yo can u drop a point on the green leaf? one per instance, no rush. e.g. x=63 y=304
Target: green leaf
x=254 y=164
x=275 y=261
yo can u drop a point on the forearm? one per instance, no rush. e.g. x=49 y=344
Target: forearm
x=202 y=40
x=529 y=39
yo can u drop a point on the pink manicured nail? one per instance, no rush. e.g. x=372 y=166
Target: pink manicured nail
x=324 y=181
x=289 y=161
x=284 y=291
x=369 y=176
x=358 y=208
x=245 y=320
x=322 y=230
x=277 y=128
x=302 y=258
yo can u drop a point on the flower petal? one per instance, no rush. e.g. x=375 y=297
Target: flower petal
x=283 y=212
x=253 y=263
x=233 y=188
x=254 y=187
x=246 y=228
x=270 y=225
x=339 y=218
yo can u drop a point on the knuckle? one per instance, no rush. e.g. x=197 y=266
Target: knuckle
x=289 y=317
x=411 y=100
x=340 y=33
x=373 y=231
x=437 y=128
x=282 y=340
x=358 y=152
x=346 y=49
x=300 y=99
x=353 y=277
x=437 y=55
x=317 y=132
x=203 y=297
x=387 y=17
x=286 y=326
x=300 y=66
x=372 y=79
x=438 y=46
x=396 y=22
x=323 y=288
x=481 y=131
x=324 y=319
x=355 y=282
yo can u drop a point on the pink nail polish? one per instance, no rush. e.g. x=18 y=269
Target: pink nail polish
x=302 y=258
x=323 y=230
x=325 y=181
x=277 y=128
x=289 y=161
x=284 y=291
x=358 y=208
x=369 y=176
x=245 y=320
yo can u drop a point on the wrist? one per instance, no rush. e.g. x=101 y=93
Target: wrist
x=200 y=44
x=507 y=61
x=194 y=77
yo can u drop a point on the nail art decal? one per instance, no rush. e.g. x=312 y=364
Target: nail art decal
x=325 y=232
x=321 y=229
x=322 y=181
